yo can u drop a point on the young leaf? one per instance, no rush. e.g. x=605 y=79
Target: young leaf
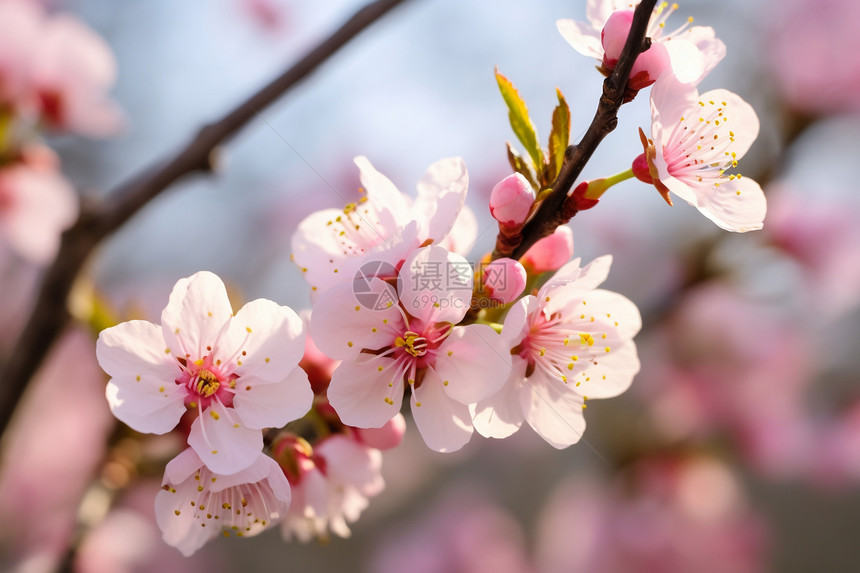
x=520 y=166
x=521 y=123
x=559 y=137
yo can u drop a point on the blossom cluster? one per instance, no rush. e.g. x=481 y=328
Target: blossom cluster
x=285 y=419
x=55 y=73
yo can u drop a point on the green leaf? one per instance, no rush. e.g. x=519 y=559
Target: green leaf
x=559 y=138
x=521 y=123
x=520 y=166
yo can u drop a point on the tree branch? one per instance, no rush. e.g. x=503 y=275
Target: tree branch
x=553 y=211
x=96 y=222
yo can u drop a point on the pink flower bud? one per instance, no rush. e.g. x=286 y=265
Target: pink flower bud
x=641 y=169
x=648 y=66
x=504 y=280
x=511 y=200
x=388 y=436
x=550 y=253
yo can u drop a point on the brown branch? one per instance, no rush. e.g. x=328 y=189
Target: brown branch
x=97 y=221
x=554 y=210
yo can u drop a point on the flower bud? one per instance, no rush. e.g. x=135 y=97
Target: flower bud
x=504 y=280
x=650 y=63
x=550 y=253
x=388 y=436
x=511 y=200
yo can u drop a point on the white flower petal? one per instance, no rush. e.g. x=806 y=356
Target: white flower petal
x=445 y=424
x=362 y=395
x=273 y=405
x=264 y=340
x=196 y=314
x=738 y=205
x=473 y=363
x=441 y=195
x=500 y=415
x=222 y=442
x=553 y=410
x=148 y=405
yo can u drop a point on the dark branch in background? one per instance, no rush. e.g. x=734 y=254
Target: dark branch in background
x=50 y=314
x=555 y=210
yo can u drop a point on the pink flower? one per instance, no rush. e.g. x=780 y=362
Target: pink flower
x=647 y=67
x=240 y=372
x=696 y=139
x=36 y=205
x=693 y=50
x=196 y=504
x=331 y=487
x=822 y=236
x=56 y=70
x=504 y=280
x=550 y=253
x=387 y=345
x=570 y=343
x=821 y=74
x=658 y=520
x=51 y=451
x=511 y=200
x=329 y=246
x=461 y=533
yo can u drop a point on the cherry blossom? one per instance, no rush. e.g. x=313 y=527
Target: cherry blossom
x=239 y=372
x=384 y=225
x=570 y=343
x=511 y=200
x=693 y=50
x=196 y=504
x=695 y=141
x=54 y=69
x=36 y=205
x=388 y=346
x=332 y=483
x=550 y=253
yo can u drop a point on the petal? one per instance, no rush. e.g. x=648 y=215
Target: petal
x=135 y=348
x=740 y=117
x=553 y=410
x=436 y=285
x=687 y=61
x=181 y=467
x=738 y=205
x=362 y=395
x=474 y=361
x=584 y=38
x=222 y=442
x=612 y=375
x=445 y=424
x=355 y=315
x=348 y=462
x=463 y=234
x=318 y=249
x=148 y=405
x=175 y=518
x=263 y=468
x=384 y=194
x=500 y=415
x=273 y=405
x=516 y=321
x=670 y=101
x=441 y=195
x=196 y=314
x=266 y=341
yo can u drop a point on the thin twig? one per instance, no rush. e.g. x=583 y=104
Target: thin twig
x=553 y=211
x=97 y=221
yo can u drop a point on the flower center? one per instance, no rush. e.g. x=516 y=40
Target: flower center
x=414 y=344
x=207 y=383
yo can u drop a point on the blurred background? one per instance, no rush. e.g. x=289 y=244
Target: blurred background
x=737 y=449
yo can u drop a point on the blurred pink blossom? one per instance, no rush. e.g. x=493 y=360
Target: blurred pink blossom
x=550 y=253
x=463 y=533
x=822 y=235
x=52 y=449
x=813 y=53
x=728 y=366
x=674 y=516
x=55 y=70
x=36 y=205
